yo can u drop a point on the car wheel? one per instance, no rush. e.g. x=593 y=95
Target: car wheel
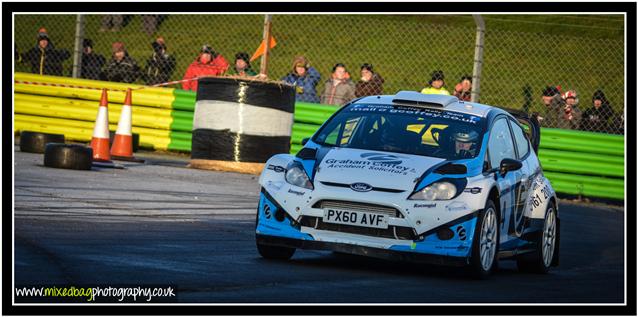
x=485 y=243
x=275 y=252
x=540 y=259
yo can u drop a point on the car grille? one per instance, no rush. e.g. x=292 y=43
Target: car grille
x=392 y=232
x=349 y=205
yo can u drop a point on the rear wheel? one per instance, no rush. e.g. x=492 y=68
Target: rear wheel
x=540 y=259
x=485 y=242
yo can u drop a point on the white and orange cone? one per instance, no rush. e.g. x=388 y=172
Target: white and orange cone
x=123 y=141
x=100 y=141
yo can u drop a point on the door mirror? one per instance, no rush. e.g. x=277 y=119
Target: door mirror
x=304 y=141
x=509 y=165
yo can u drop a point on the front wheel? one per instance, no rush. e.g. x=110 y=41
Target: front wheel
x=541 y=259
x=275 y=252
x=485 y=242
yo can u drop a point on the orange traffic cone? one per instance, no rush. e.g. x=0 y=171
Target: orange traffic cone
x=100 y=140
x=123 y=141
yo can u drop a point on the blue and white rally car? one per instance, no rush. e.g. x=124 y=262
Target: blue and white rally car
x=414 y=177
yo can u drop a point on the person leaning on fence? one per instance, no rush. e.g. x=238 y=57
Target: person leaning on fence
x=571 y=116
x=92 y=62
x=305 y=79
x=121 y=68
x=242 y=65
x=370 y=84
x=44 y=58
x=436 y=84
x=553 y=107
x=463 y=90
x=339 y=89
x=207 y=63
x=160 y=66
x=597 y=117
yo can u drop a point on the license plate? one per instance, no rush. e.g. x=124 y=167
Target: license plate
x=355 y=218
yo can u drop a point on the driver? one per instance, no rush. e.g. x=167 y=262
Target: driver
x=465 y=143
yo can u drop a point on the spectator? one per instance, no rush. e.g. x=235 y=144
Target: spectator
x=436 y=84
x=112 y=22
x=44 y=58
x=208 y=62
x=122 y=68
x=370 y=84
x=617 y=125
x=553 y=107
x=596 y=118
x=242 y=65
x=463 y=90
x=150 y=23
x=339 y=88
x=160 y=66
x=92 y=62
x=305 y=79
x=571 y=115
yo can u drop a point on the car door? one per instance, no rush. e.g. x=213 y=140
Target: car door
x=523 y=179
x=501 y=146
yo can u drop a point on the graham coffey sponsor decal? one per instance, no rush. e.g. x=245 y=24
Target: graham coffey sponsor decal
x=296 y=192
x=373 y=162
x=424 y=205
x=425 y=112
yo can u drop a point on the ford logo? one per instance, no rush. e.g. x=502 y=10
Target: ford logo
x=360 y=187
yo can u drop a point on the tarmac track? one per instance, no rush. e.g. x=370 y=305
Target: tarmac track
x=159 y=223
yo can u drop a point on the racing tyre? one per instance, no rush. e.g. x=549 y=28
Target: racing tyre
x=274 y=252
x=35 y=142
x=69 y=156
x=485 y=243
x=541 y=259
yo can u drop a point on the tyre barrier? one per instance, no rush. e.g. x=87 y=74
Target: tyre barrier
x=68 y=156
x=35 y=142
x=239 y=124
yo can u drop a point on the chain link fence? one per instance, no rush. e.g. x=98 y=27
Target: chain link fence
x=399 y=53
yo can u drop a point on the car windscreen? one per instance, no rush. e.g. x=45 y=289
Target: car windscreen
x=404 y=129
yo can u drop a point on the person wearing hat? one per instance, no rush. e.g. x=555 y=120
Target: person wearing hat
x=305 y=78
x=597 y=117
x=208 y=63
x=122 y=67
x=436 y=84
x=92 y=62
x=463 y=90
x=370 y=84
x=339 y=89
x=242 y=65
x=570 y=118
x=553 y=106
x=44 y=58
x=160 y=66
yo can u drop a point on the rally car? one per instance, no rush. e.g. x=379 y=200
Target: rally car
x=414 y=177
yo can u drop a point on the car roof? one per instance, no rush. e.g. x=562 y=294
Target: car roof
x=443 y=102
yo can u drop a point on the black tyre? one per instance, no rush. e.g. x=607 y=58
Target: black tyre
x=136 y=140
x=69 y=156
x=540 y=260
x=483 y=260
x=275 y=252
x=35 y=142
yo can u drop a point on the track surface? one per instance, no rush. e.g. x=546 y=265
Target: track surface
x=158 y=223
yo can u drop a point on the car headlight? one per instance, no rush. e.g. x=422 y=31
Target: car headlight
x=441 y=190
x=296 y=175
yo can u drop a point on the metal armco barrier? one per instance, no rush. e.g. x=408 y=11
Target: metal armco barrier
x=576 y=162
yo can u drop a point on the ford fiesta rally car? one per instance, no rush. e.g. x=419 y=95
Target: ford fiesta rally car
x=414 y=177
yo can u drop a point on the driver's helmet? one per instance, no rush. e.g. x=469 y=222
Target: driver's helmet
x=465 y=142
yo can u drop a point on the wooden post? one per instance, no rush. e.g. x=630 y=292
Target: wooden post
x=263 y=70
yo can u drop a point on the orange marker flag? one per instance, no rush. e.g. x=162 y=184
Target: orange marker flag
x=262 y=48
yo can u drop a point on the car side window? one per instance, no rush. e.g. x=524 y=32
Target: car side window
x=500 y=144
x=521 y=141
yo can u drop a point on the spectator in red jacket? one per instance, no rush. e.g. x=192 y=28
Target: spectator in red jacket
x=209 y=63
x=463 y=90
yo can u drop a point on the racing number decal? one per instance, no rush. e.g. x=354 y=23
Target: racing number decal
x=517 y=219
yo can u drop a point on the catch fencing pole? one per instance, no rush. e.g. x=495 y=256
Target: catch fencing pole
x=478 y=57
x=264 y=58
x=79 y=47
